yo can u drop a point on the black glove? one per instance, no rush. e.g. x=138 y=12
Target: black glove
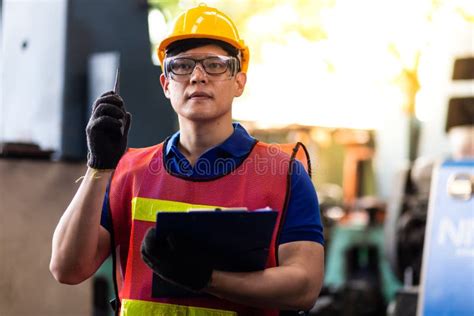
x=177 y=260
x=107 y=132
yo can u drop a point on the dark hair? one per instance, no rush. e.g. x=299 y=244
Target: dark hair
x=180 y=46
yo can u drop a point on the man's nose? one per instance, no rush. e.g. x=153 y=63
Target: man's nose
x=198 y=75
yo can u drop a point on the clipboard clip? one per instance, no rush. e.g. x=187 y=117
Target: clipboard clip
x=218 y=209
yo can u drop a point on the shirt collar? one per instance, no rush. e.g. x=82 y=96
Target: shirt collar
x=236 y=145
x=172 y=144
x=239 y=143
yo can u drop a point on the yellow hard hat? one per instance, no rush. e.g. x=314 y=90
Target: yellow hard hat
x=205 y=22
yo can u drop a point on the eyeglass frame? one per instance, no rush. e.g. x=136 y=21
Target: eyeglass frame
x=232 y=63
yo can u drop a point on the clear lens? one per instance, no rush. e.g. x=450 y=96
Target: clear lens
x=215 y=65
x=182 y=66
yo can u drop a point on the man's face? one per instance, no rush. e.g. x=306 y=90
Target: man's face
x=200 y=96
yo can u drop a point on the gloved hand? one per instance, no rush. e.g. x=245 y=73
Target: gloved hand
x=177 y=260
x=107 y=131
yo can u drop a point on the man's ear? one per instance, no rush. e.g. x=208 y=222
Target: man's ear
x=240 y=81
x=164 y=84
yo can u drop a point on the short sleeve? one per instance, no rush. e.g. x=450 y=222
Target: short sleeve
x=303 y=219
x=104 y=218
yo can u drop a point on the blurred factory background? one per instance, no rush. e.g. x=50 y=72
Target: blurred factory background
x=379 y=91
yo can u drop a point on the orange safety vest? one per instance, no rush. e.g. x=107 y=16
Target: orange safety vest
x=141 y=186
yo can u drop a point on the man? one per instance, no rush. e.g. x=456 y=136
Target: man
x=205 y=64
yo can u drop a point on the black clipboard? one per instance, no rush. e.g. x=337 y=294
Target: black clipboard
x=238 y=240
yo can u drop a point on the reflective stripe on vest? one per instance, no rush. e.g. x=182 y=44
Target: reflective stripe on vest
x=137 y=307
x=145 y=209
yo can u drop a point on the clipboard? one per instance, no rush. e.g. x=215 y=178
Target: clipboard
x=238 y=240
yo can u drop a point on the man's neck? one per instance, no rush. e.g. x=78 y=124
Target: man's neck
x=195 y=139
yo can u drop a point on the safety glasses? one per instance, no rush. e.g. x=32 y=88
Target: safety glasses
x=216 y=67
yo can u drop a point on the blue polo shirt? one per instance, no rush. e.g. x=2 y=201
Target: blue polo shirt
x=302 y=222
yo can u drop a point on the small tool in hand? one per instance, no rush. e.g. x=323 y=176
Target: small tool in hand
x=117 y=82
x=116 y=90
